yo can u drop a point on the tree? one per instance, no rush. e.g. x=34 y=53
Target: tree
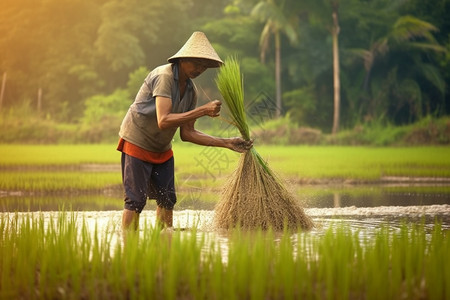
x=276 y=22
x=326 y=12
x=394 y=64
x=336 y=80
x=43 y=46
x=237 y=34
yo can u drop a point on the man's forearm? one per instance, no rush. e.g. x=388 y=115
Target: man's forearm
x=176 y=120
x=200 y=138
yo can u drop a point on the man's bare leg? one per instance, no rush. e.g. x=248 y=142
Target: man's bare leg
x=130 y=220
x=164 y=216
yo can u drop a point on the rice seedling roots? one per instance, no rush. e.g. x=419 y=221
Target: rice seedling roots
x=254 y=198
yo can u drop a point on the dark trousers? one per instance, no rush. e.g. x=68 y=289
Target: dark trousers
x=144 y=180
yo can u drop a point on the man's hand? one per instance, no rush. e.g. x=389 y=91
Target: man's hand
x=212 y=108
x=239 y=144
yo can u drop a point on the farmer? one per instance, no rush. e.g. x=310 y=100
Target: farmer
x=166 y=101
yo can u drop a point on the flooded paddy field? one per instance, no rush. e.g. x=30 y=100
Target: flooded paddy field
x=85 y=180
x=358 y=218
x=358 y=204
x=71 y=215
x=365 y=222
x=364 y=208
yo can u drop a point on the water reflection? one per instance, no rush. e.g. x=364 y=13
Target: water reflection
x=373 y=196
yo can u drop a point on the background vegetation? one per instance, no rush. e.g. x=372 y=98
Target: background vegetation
x=70 y=68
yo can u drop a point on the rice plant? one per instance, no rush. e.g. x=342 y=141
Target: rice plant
x=59 y=256
x=253 y=197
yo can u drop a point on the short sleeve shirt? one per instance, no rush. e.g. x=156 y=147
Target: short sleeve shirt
x=140 y=126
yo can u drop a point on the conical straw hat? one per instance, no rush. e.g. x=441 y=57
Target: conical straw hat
x=198 y=46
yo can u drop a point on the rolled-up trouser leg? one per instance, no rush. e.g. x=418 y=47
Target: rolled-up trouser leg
x=162 y=184
x=135 y=177
x=142 y=180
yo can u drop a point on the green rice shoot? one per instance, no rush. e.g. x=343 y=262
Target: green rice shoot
x=60 y=256
x=253 y=197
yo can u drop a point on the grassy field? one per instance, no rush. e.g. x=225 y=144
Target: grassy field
x=57 y=258
x=303 y=161
x=53 y=155
x=59 y=167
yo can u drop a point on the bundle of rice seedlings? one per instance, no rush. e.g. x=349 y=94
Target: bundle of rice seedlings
x=254 y=197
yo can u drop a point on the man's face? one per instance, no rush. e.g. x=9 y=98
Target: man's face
x=193 y=67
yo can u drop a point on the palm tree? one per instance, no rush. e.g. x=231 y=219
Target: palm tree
x=407 y=37
x=276 y=22
x=336 y=80
x=326 y=12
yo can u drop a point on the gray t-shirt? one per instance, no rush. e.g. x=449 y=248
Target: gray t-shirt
x=140 y=126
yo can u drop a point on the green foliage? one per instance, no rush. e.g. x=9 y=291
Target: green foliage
x=257 y=76
x=427 y=131
x=301 y=105
x=103 y=116
x=400 y=83
x=281 y=131
x=122 y=29
x=112 y=106
x=37 y=53
x=235 y=34
x=22 y=124
x=394 y=54
x=136 y=79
